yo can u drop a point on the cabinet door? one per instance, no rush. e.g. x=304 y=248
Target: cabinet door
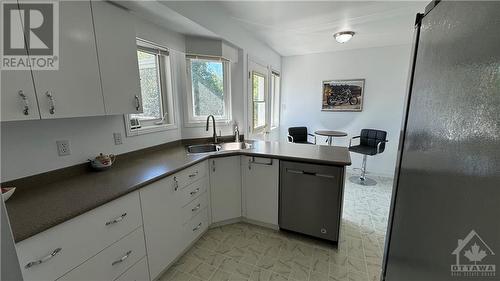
x=225 y=188
x=117 y=50
x=18 y=100
x=75 y=89
x=260 y=178
x=162 y=224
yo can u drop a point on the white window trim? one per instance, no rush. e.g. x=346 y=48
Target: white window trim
x=272 y=96
x=168 y=98
x=261 y=129
x=190 y=120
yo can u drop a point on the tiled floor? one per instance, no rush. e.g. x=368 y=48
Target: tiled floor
x=247 y=252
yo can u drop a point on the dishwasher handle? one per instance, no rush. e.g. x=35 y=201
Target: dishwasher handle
x=301 y=172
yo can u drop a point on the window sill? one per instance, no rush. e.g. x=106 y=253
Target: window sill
x=150 y=129
x=202 y=123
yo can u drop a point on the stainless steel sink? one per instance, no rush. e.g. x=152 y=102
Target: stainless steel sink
x=203 y=148
x=206 y=148
x=235 y=145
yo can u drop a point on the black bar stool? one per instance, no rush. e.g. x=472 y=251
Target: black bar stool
x=371 y=142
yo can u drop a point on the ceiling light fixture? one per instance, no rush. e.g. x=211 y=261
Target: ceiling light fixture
x=343 y=36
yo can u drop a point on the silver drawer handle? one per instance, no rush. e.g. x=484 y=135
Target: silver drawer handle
x=44 y=259
x=176 y=184
x=122 y=259
x=197 y=227
x=52 y=105
x=194 y=192
x=117 y=220
x=196 y=208
x=193 y=174
x=26 y=108
x=137 y=103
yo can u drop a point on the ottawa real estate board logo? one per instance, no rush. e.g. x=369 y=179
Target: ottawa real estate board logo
x=30 y=35
x=472 y=258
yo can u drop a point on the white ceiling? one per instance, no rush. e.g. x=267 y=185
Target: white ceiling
x=161 y=15
x=296 y=28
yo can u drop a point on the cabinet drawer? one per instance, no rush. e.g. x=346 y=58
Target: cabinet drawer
x=113 y=261
x=191 y=174
x=192 y=191
x=138 y=272
x=196 y=226
x=78 y=239
x=194 y=207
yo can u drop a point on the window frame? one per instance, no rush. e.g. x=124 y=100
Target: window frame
x=164 y=74
x=262 y=128
x=274 y=124
x=196 y=121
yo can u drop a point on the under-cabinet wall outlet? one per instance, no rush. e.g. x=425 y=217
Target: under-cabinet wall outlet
x=118 y=138
x=63 y=147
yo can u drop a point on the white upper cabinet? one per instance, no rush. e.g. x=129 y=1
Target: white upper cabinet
x=74 y=90
x=260 y=177
x=225 y=188
x=18 y=100
x=117 y=52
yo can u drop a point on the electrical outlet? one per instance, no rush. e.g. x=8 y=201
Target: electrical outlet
x=118 y=138
x=63 y=147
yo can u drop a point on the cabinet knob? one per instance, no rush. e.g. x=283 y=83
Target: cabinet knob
x=52 y=105
x=26 y=108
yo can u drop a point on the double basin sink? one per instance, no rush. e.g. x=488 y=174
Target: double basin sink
x=212 y=147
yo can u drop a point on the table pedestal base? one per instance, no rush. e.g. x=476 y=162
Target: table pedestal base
x=360 y=181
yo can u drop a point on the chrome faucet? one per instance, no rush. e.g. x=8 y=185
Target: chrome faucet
x=236 y=134
x=213 y=123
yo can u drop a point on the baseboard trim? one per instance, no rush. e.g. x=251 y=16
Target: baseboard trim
x=259 y=223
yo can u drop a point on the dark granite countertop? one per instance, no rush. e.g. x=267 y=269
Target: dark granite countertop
x=41 y=202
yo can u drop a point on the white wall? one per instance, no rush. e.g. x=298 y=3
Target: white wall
x=213 y=18
x=385 y=72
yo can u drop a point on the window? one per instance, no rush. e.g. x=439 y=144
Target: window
x=275 y=99
x=156 y=93
x=209 y=90
x=259 y=101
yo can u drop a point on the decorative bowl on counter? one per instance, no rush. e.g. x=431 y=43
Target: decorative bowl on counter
x=7 y=192
x=102 y=162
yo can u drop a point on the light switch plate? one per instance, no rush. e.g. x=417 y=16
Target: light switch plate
x=63 y=148
x=118 y=138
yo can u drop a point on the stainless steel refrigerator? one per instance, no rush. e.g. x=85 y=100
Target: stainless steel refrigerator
x=445 y=213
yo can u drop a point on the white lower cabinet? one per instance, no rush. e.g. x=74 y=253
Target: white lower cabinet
x=162 y=224
x=172 y=218
x=138 y=272
x=112 y=261
x=225 y=188
x=260 y=184
x=111 y=242
x=54 y=252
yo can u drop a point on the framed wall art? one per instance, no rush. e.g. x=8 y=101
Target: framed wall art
x=343 y=95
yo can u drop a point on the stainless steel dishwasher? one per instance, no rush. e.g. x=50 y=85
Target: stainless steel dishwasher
x=311 y=199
